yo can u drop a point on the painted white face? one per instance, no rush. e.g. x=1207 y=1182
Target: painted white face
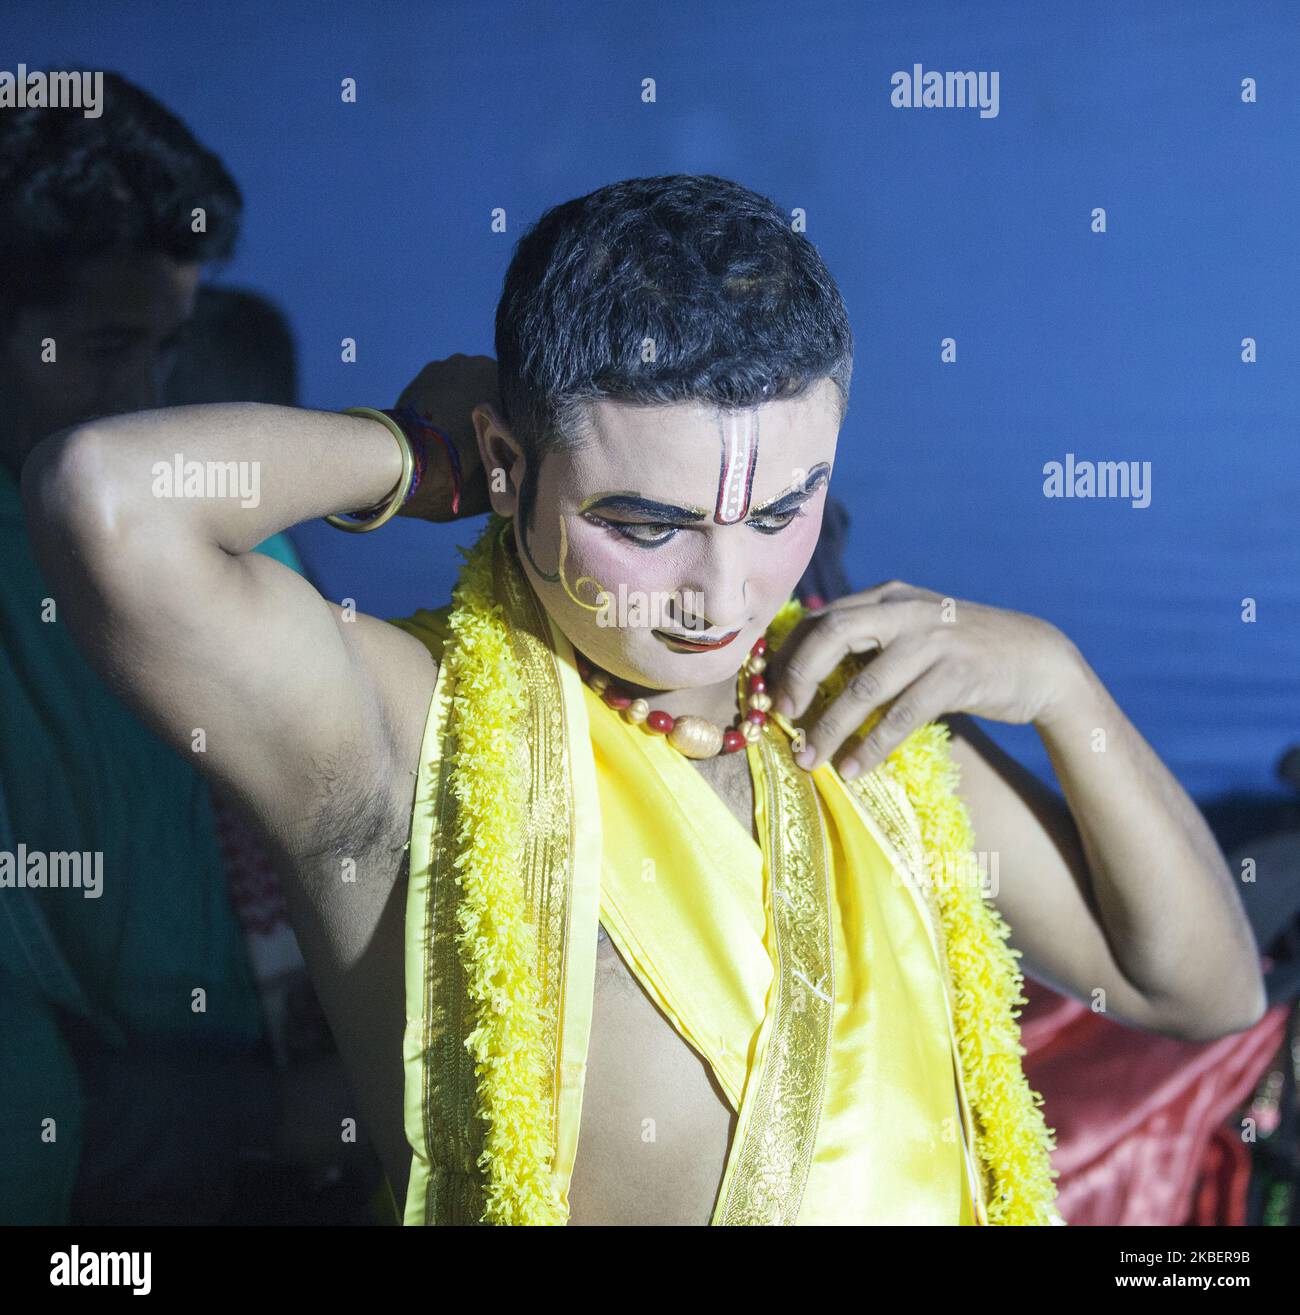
x=663 y=546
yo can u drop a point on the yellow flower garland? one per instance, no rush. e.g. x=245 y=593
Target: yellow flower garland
x=496 y=948
x=498 y=951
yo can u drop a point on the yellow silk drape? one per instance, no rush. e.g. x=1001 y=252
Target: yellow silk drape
x=888 y=1144
x=683 y=898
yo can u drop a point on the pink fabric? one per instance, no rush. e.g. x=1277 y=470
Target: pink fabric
x=1220 y=1197
x=1140 y=1118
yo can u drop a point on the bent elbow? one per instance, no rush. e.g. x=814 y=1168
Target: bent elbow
x=77 y=501
x=65 y=484
x=1259 y=1008
x=78 y=490
x=1203 y=1025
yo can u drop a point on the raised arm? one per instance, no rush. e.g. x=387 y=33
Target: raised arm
x=144 y=526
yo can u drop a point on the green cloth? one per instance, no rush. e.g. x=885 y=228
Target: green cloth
x=280 y=547
x=78 y=772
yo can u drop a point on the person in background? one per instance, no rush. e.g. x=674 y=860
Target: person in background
x=237 y=347
x=132 y=1044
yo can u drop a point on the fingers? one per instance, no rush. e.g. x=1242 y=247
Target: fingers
x=886 y=677
x=923 y=701
x=817 y=645
x=778 y=660
x=905 y=677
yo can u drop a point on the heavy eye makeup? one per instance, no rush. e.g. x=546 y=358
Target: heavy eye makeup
x=654 y=534
x=661 y=522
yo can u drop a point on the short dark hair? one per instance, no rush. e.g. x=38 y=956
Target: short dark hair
x=73 y=188
x=740 y=308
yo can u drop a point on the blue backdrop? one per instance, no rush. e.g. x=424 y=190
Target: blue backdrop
x=373 y=221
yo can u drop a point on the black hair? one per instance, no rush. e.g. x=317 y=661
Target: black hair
x=73 y=188
x=685 y=287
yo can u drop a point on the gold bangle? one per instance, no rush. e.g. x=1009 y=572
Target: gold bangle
x=398 y=495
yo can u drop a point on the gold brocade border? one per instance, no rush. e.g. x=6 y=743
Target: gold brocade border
x=766 y=1182
x=453 y=1136
x=874 y=789
x=547 y=839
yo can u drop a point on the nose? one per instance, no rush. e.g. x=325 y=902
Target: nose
x=714 y=595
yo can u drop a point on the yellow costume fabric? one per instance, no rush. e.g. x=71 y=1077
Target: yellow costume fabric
x=682 y=897
x=808 y=970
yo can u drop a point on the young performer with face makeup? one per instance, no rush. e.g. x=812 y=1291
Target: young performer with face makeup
x=804 y=1012
x=660 y=502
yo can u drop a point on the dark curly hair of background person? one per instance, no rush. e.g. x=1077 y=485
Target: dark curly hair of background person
x=73 y=188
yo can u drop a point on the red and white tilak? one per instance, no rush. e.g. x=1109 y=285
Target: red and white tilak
x=739 y=430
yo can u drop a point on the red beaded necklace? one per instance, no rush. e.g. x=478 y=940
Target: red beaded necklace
x=696 y=737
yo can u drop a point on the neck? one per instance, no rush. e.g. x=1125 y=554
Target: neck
x=719 y=703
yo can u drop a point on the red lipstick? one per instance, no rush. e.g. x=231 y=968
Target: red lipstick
x=692 y=643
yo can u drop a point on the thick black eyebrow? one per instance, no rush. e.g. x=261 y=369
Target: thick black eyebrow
x=797 y=495
x=653 y=511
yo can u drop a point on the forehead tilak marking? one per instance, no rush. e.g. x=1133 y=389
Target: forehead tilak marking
x=738 y=431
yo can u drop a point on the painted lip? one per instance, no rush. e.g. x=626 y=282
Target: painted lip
x=694 y=645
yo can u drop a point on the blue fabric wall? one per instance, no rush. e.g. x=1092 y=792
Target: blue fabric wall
x=372 y=221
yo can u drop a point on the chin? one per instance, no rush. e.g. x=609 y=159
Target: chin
x=687 y=670
x=638 y=658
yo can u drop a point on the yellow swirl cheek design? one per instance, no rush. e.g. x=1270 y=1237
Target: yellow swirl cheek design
x=601 y=591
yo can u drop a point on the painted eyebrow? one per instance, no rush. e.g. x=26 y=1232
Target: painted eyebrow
x=634 y=502
x=799 y=494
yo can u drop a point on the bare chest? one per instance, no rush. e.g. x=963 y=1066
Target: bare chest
x=729 y=776
x=656 y=1128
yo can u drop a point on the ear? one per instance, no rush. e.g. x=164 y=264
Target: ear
x=502 y=457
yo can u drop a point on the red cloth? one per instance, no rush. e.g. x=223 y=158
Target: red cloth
x=1140 y=1118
